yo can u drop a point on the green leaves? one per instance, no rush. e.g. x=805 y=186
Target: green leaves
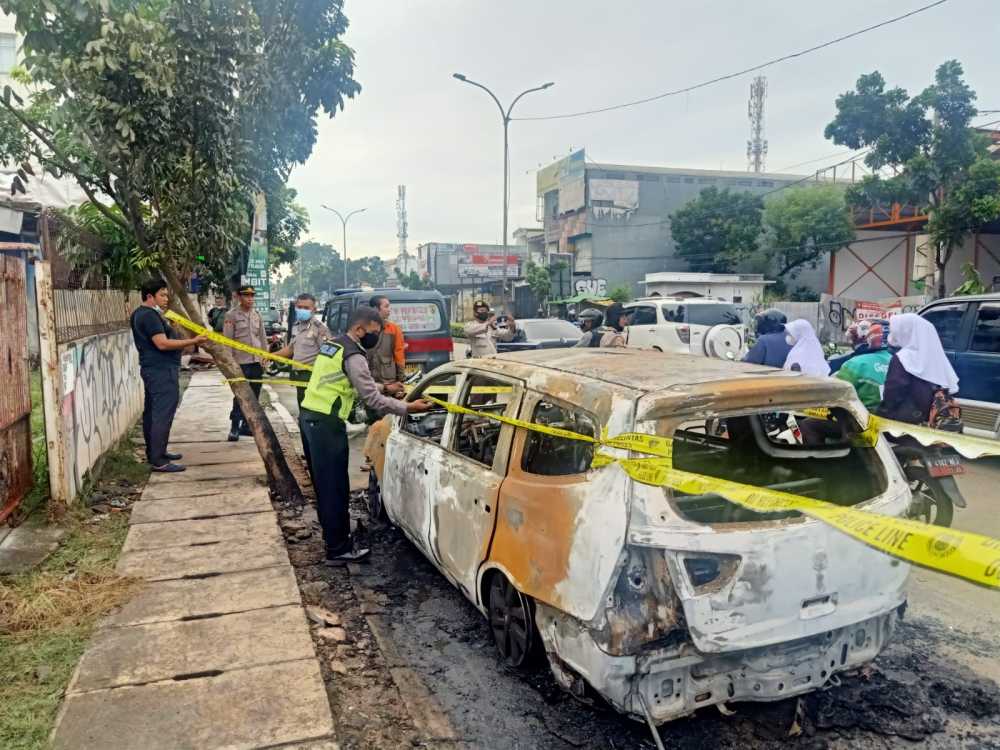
x=803 y=224
x=718 y=230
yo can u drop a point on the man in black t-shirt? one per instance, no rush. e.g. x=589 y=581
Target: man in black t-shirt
x=159 y=365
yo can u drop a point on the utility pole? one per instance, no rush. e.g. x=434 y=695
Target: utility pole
x=343 y=224
x=505 y=117
x=757 y=145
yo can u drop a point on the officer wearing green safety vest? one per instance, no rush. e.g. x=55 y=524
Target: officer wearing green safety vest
x=340 y=375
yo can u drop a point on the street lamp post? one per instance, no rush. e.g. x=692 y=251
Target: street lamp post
x=343 y=224
x=505 y=117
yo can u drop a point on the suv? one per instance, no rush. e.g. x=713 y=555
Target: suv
x=662 y=602
x=687 y=325
x=969 y=328
x=421 y=315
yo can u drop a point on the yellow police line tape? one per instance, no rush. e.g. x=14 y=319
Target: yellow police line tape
x=477 y=389
x=218 y=338
x=969 y=446
x=972 y=557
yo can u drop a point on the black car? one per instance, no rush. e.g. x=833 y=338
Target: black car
x=969 y=328
x=541 y=333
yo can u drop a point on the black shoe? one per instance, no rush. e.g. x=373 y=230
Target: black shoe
x=354 y=555
x=173 y=456
x=169 y=468
x=245 y=431
x=233 y=436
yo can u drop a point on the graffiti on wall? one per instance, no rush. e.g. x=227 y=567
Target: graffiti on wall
x=102 y=397
x=837 y=314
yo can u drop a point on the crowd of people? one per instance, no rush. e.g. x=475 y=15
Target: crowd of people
x=901 y=374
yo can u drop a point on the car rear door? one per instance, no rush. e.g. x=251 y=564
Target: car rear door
x=467 y=477
x=642 y=331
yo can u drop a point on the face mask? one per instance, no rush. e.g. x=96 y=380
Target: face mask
x=158 y=309
x=301 y=315
x=789 y=340
x=483 y=315
x=369 y=340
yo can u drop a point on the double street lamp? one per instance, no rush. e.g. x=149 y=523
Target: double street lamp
x=505 y=117
x=343 y=224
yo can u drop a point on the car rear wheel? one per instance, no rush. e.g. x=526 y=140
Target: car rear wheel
x=512 y=621
x=373 y=499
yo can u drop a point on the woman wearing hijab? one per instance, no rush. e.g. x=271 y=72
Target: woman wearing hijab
x=916 y=372
x=806 y=355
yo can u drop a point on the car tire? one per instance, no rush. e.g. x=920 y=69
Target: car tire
x=373 y=499
x=511 y=617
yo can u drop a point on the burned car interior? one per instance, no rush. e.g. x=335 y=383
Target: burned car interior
x=779 y=451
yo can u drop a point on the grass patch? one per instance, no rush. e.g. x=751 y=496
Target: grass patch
x=47 y=615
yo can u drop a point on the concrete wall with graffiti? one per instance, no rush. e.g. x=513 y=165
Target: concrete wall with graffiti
x=101 y=399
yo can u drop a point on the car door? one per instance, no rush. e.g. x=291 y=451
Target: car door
x=948 y=318
x=467 y=477
x=642 y=331
x=979 y=378
x=412 y=453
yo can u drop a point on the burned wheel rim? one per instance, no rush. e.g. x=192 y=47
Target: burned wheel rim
x=931 y=505
x=511 y=622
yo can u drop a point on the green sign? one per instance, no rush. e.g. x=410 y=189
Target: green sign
x=256 y=273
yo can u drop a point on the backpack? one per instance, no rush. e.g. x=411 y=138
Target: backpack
x=945 y=413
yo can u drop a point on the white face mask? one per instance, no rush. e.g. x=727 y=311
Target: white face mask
x=789 y=340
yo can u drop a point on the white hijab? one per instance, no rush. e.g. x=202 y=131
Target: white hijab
x=921 y=353
x=806 y=351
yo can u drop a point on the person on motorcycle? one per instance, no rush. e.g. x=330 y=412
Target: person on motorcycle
x=308 y=334
x=918 y=371
x=771 y=348
x=613 y=332
x=806 y=355
x=217 y=314
x=867 y=372
x=857 y=336
x=590 y=321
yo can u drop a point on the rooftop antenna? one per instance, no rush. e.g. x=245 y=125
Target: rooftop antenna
x=757 y=145
x=401 y=220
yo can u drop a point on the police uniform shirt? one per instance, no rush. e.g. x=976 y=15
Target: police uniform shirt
x=247 y=328
x=307 y=338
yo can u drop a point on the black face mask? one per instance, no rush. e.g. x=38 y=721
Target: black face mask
x=483 y=315
x=369 y=340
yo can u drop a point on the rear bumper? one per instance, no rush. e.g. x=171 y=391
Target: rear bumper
x=674 y=682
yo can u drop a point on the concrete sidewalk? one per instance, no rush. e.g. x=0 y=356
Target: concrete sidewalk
x=214 y=651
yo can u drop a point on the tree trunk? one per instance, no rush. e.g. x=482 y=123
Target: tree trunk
x=941 y=258
x=279 y=476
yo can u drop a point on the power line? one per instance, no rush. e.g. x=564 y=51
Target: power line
x=737 y=74
x=819 y=158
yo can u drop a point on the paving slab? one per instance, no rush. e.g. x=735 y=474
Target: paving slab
x=27 y=545
x=223 y=557
x=190 y=598
x=226 y=504
x=239 y=710
x=177 y=487
x=214 y=471
x=208 y=454
x=139 y=654
x=250 y=528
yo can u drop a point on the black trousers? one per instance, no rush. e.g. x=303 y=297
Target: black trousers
x=254 y=371
x=325 y=439
x=303 y=377
x=161 y=396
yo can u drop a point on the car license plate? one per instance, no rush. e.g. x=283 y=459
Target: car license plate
x=945 y=466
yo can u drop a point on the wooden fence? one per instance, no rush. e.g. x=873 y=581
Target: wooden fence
x=87 y=312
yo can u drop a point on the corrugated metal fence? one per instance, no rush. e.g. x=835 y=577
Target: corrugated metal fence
x=85 y=312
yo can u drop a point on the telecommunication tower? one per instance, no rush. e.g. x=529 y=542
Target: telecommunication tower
x=757 y=145
x=401 y=219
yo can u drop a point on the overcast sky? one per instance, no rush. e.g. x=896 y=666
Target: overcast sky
x=414 y=124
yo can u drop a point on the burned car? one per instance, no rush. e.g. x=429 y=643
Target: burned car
x=659 y=601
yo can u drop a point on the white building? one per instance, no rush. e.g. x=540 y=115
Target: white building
x=732 y=287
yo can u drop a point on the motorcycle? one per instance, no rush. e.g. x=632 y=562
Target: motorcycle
x=275 y=342
x=931 y=472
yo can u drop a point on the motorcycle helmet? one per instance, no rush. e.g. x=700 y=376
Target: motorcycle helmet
x=592 y=317
x=770 y=321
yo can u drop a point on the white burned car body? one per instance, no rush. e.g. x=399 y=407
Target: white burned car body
x=660 y=601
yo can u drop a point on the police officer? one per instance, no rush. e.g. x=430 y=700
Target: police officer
x=308 y=334
x=590 y=322
x=244 y=324
x=340 y=374
x=482 y=333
